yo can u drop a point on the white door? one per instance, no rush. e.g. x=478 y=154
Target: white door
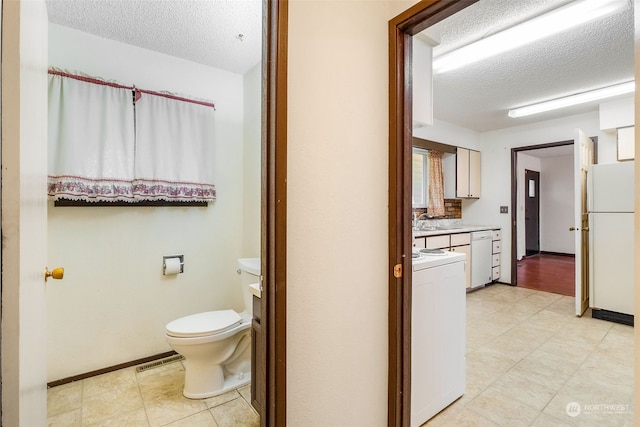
x=583 y=158
x=24 y=212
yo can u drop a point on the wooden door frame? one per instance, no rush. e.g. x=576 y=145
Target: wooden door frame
x=274 y=212
x=401 y=30
x=514 y=199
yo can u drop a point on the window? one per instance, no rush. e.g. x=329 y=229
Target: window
x=420 y=175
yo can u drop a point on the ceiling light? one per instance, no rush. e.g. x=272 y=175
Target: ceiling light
x=579 y=98
x=560 y=19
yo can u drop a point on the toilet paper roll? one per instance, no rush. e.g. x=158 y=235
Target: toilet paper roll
x=172 y=266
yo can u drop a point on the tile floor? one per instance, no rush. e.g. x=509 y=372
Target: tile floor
x=152 y=397
x=528 y=357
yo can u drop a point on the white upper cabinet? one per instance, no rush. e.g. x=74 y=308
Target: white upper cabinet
x=468 y=173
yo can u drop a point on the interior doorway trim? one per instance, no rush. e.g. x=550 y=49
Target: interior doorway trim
x=274 y=213
x=401 y=30
x=514 y=200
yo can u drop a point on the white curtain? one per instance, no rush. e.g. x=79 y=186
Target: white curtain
x=174 y=150
x=103 y=147
x=91 y=131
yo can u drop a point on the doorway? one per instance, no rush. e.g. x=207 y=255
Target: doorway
x=532 y=212
x=547 y=245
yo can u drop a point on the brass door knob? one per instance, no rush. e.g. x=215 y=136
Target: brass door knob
x=572 y=229
x=57 y=273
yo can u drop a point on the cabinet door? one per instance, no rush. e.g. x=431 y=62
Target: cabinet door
x=438 y=242
x=474 y=173
x=465 y=249
x=462 y=172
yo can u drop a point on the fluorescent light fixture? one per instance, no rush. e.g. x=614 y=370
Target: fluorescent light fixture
x=554 y=22
x=579 y=98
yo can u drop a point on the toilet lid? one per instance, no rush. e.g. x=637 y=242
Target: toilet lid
x=200 y=324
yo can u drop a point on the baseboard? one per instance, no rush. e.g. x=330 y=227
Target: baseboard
x=558 y=254
x=612 y=316
x=110 y=369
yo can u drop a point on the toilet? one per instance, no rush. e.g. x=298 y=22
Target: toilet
x=216 y=345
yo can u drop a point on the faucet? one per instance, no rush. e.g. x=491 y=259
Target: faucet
x=417 y=218
x=425 y=215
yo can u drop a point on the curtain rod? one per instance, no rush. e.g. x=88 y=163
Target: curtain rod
x=132 y=88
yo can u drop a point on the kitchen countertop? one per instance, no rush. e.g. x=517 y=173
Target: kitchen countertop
x=465 y=228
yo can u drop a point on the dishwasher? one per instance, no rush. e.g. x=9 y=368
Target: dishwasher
x=481 y=248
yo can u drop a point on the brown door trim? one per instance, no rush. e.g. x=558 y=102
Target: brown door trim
x=274 y=212
x=514 y=197
x=401 y=30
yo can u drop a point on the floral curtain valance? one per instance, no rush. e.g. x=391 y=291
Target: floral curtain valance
x=103 y=147
x=436 y=184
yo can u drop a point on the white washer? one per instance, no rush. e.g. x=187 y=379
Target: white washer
x=438 y=333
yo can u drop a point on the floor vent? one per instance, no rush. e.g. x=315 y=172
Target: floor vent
x=161 y=362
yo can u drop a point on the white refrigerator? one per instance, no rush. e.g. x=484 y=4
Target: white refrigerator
x=611 y=237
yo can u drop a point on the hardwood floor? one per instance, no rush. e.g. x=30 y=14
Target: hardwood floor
x=550 y=273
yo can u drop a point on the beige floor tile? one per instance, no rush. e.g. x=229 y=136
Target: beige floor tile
x=100 y=407
x=545 y=420
x=201 y=419
x=106 y=382
x=67 y=419
x=462 y=418
x=167 y=404
x=214 y=401
x=484 y=366
x=502 y=410
x=545 y=369
x=245 y=392
x=590 y=388
x=64 y=398
x=235 y=413
x=136 y=418
x=524 y=391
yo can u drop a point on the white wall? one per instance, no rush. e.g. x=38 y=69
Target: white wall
x=496 y=168
x=337 y=241
x=556 y=205
x=252 y=162
x=114 y=302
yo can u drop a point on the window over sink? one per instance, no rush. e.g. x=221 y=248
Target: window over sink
x=420 y=178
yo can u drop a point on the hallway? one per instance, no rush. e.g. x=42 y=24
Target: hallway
x=549 y=273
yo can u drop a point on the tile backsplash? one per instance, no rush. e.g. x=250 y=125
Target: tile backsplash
x=452 y=209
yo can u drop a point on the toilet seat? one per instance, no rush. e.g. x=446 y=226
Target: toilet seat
x=203 y=324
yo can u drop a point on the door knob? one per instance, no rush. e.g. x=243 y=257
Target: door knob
x=585 y=228
x=56 y=273
x=572 y=229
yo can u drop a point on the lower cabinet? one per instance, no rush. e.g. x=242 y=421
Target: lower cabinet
x=496 y=249
x=459 y=242
x=462 y=243
x=258 y=371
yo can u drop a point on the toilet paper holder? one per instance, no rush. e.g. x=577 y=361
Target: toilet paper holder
x=171 y=257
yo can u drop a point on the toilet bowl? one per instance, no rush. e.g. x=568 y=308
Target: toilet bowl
x=216 y=346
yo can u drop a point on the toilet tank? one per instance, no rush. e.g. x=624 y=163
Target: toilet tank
x=249 y=270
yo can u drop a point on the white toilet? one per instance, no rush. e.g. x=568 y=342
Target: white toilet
x=216 y=345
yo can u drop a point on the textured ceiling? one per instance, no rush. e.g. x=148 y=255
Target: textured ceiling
x=203 y=31
x=476 y=97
